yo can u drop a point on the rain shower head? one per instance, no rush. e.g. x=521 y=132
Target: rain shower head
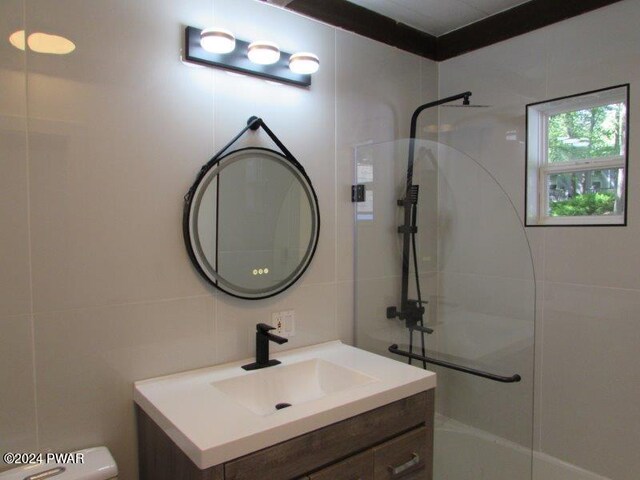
x=465 y=103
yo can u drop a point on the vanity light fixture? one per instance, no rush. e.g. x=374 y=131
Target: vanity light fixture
x=217 y=40
x=214 y=47
x=263 y=52
x=304 y=62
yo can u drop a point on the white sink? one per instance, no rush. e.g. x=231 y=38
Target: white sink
x=287 y=385
x=220 y=413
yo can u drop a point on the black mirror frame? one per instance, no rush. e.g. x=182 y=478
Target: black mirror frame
x=254 y=123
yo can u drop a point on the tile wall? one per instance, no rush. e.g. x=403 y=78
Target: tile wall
x=588 y=314
x=97 y=149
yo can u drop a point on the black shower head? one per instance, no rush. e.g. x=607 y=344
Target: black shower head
x=466 y=105
x=466 y=102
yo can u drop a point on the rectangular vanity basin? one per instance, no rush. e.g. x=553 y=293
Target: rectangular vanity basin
x=269 y=390
x=220 y=413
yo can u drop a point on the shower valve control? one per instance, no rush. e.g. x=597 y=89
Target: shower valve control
x=414 y=310
x=413 y=314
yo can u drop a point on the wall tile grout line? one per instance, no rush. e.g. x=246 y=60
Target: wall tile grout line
x=540 y=324
x=593 y=286
x=540 y=319
x=214 y=296
x=122 y=304
x=336 y=184
x=29 y=237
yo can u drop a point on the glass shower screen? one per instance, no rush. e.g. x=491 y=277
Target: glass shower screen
x=478 y=291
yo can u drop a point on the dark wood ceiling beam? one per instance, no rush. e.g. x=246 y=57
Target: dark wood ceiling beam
x=519 y=20
x=357 y=19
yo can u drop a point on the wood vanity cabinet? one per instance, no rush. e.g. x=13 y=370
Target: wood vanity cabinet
x=394 y=441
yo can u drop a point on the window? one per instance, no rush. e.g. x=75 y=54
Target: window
x=576 y=162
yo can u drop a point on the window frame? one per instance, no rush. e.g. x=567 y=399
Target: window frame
x=537 y=168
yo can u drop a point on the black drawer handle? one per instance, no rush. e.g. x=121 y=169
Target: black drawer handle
x=415 y=460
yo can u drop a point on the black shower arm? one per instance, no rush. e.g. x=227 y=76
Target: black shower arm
x=418 y=111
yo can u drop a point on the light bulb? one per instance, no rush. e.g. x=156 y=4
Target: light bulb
x=304 y=63
x=263 y=53
x=217 y=40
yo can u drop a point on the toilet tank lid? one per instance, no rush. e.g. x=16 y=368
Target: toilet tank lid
x=92 y=464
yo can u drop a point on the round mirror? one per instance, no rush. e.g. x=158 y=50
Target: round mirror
x=251 y=224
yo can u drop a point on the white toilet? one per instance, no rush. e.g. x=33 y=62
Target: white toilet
x=97 y=464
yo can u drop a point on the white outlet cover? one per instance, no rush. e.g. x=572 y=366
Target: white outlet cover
x=277 y=321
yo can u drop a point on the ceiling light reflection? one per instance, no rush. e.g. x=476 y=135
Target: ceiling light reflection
x=40 y=42
x=17 y=39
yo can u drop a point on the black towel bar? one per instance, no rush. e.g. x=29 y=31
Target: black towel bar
x=472 y=371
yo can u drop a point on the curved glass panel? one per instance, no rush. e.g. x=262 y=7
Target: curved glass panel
x=478 y=290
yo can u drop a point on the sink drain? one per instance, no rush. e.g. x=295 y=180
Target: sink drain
x=280 y=406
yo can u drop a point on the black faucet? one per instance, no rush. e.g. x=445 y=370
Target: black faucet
x=263 y=337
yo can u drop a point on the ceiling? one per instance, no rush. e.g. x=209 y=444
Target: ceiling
x=441 y=29
x=437 y=17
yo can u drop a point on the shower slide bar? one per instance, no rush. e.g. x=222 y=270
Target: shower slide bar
x=460 y=368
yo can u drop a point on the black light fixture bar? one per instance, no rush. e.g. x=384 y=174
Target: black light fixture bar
x=237 y=61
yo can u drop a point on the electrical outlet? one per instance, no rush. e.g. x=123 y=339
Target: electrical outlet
x=277 y=321
x=284 y=322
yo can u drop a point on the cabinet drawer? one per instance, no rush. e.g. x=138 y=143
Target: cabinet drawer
x=358 y=467
x=404 y=457
x=306 y=453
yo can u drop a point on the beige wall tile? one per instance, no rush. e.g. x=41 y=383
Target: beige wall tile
x=428 y=121
x=506 y=76
x=87 y=361
x=117 y=131
x=345 y=311
x=373 y=331
x=378 y=87
x=582 y=331
x=592 y=58
x=14 y=214
x=315 y=318
x=487 y=323
x=18 y=430
x=590 y=386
